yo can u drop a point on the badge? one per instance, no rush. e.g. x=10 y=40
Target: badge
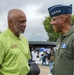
x=14 y=46
x=64 y=46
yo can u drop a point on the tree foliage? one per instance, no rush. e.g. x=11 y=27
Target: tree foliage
x=52 y=36
x=72 y=19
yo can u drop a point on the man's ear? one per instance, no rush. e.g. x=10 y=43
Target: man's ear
x=63 y=19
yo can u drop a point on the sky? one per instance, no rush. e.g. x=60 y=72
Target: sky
x=35 y=10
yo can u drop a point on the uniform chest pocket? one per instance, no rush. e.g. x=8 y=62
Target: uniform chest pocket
x=63 y=52
x=63 y=49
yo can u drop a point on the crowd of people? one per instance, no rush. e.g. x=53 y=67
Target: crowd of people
x=49 y=57
x=46 y=57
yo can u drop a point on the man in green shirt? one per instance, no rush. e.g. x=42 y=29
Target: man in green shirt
x=64 y=54
x=14 y=48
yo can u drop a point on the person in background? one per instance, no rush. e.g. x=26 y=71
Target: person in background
x=37 y=54
x=64 y=53
x=14 y=48
x=43 y=57
x=50 y=58
x=34 y=55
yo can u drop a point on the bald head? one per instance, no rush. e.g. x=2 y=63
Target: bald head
x=14 y=13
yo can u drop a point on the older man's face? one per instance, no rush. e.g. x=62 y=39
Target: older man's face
x=19 y=24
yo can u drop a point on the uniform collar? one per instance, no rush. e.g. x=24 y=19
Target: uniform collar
x=71 y=30
x=12 y=35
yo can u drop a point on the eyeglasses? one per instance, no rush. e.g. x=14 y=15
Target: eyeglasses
x=53 y=19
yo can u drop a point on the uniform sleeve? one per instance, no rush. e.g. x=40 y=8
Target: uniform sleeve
x=1 y=52
x=73 y=55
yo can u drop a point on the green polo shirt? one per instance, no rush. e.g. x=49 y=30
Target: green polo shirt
x=64 y=55
x=14 y=54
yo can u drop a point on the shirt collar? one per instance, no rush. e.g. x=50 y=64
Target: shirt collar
x=71 y=30
x=12 y=35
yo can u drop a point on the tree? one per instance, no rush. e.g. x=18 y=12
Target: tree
x=52 y=36
x=72 y=19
